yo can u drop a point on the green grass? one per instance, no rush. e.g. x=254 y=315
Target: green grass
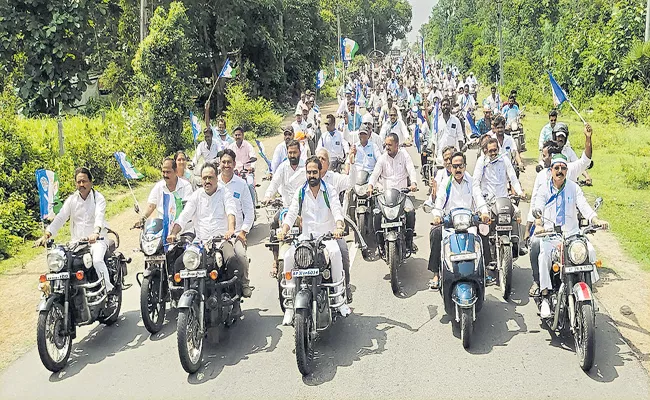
x=621 y=175
x=118 y=199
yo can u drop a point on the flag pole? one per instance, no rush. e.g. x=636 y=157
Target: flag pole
x=576 y=111
x=137 y=205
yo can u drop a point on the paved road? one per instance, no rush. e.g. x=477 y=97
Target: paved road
x=390 y=347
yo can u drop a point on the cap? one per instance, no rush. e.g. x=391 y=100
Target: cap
x=288 y=129
x=561 y=129
x=363 y=129
x=367 y=119
x=298 y=111
x=558 y=158
x=487 y=108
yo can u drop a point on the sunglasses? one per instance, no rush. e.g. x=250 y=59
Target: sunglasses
x=393 y=115
x=447 y=159
x=458 y=166
x=559 y=168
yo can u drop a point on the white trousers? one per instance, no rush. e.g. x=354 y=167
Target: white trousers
x=334 y=251
x=545 y=252
x=98 y=251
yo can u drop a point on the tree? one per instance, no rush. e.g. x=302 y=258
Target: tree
x=165 y=74
x=45 y=44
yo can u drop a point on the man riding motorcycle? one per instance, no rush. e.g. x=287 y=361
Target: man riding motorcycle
x=333 y=140
x=507 y=145
x=397 y=126
x=560 y=199
x=179 y=189
x=449 y=132
x=456 y=191
x=321 y=213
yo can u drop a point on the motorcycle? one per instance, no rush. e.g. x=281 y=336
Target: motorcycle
x=314 y=297
x=390 y=204
x=363 y=206
x=572 y=303
x=515 y=129
x=248 y=175
x=209 y=299
x=462 y=273
x=504 y=239
x=73 y=294
x=157 y=286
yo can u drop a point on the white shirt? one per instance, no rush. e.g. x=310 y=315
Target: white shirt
x=466 y=103
x=338 y=183
x=491 y=177
x=208 y=154
x=461 y=195
x=433 y=94
x=209 y=213
x=574 y=170
x=449 y=134
x=280 y=155
x=509 y=146
x=569 y=153
x=334 y=143
x=183 y=191
x=299 y=127
x=366 y=157
x=238 y=190
x=394 y=171
x=317 y=218
x=222 y=143
x=574 y=199
x=84 y=215
x=286 y=181
x=493 y=102
x=399 y=128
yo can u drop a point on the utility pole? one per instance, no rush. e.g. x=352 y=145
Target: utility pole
x=374 y=43
x=338 y=32
x=143 y=17
x=501 y=44
x=647 y=22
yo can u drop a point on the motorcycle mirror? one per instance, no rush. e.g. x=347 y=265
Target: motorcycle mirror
x=427 y=208
x=537 y=213
x=538 y=168
x=136 y=209
x=598 y=203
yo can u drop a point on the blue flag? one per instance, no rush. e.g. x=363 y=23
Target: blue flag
x=196 y=126
x=435 y=117
x=422 y=48
x=559 y=96
x=417 y=140
x=165 y=218
x=472 y=125
x=260 y=146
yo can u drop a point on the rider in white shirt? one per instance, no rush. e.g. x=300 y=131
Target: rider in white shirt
x=397 y=126
x=207 y=149
x=333 y=140
x=449 y=130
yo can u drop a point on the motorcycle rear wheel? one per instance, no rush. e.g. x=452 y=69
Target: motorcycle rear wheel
x=152 y=308
x=466 y=327
x=190 y=339
x=50 y=338
x=304 y=341
x=116 y=296
x=585 y=336
x=393 y=261
x=505 y=271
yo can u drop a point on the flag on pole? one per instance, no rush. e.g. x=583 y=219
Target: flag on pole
x=196 y=126
x=127 y=167
x=48 y=193
x=472 y=125
x=417 y=138
x=320 y=78
x=559 y=96
x=348 y=49
x=422 y=48
x=260 y=146
x=228 y=71
x=435 y=117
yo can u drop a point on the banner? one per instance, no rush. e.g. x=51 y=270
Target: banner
x=348 y=49
x=127 y=167
x=48 y=193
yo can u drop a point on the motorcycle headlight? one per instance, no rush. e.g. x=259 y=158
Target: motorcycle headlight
x=391 y=212
x=88 y=260
x=304 y=257
x=578 y=252
x=504 y=219
x=218 y=259
x=149 y=245
x=361 y=190
x=56 y=260
x=462 y=221
x=192 y=258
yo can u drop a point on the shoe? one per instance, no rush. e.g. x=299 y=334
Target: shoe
x=523 y=250
x=348 y=294
x=247 y=291
x=288 y=317
x=492 y=265
x=414 y=248
x=345 y=310
x=545 y=309
x=534 y=290
x=490 y=280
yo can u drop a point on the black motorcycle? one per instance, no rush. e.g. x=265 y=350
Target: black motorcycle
x=75 y=295
x=314 y=297
x=157 y=286
x=210 y=298
x=504 y=240
x=362 y=206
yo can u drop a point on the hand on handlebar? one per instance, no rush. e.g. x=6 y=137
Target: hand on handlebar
x=485 y=218
x=171 y=238
x=601 y=223
x=338 y=233
x=436 y=220
x=93 y=238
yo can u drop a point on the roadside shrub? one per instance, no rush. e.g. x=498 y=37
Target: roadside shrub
x=254 y=115
x=9 y=243
x=15 y=219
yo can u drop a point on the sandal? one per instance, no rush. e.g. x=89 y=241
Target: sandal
x=434 y=284
x=274 y=271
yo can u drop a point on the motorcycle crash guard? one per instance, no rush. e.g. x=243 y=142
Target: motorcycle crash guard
x=505 y=240
x=362 y=210
x=582 y=292
x=464 y=294
x=46 y=303
x=390 y=236
x=302 y=300
x=187 y=299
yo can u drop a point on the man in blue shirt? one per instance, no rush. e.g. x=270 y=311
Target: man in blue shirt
x=484 y=124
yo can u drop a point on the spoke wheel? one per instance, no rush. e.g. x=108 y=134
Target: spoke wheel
x=54 y=345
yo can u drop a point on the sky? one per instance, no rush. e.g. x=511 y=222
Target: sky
x=421 y=12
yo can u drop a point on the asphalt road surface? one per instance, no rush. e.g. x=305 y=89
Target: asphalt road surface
x=398 y=347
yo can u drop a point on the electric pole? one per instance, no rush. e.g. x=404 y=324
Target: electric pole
x=647 y=22
x=143 y=17
x=374 y=43
x=501 y=44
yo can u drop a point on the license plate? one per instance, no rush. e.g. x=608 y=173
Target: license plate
x=201 y=273
x=361 y=201
x=463 y=257
x=298 y=273
x=578 y=268
x=391 y=224
x=55 y=277
x=160 y=257
x=504 y=227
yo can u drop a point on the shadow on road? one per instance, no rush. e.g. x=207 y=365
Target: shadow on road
x=255 y=333
x=414 y=276
x=169 y=326
x=104 y=341
x=347 y=341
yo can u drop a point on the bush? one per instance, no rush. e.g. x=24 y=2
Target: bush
x=254 y=115
x=15 y=219
x=9 y=244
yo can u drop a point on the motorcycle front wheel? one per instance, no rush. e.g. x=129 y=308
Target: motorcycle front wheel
x=505 y=271
x=393 y=261
x=190 y=338
x=152 y=308
x=585 y=336
x=466 y=325
x=113 y=306
x=279 y=276
x=304 y=342
x=53 y=343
